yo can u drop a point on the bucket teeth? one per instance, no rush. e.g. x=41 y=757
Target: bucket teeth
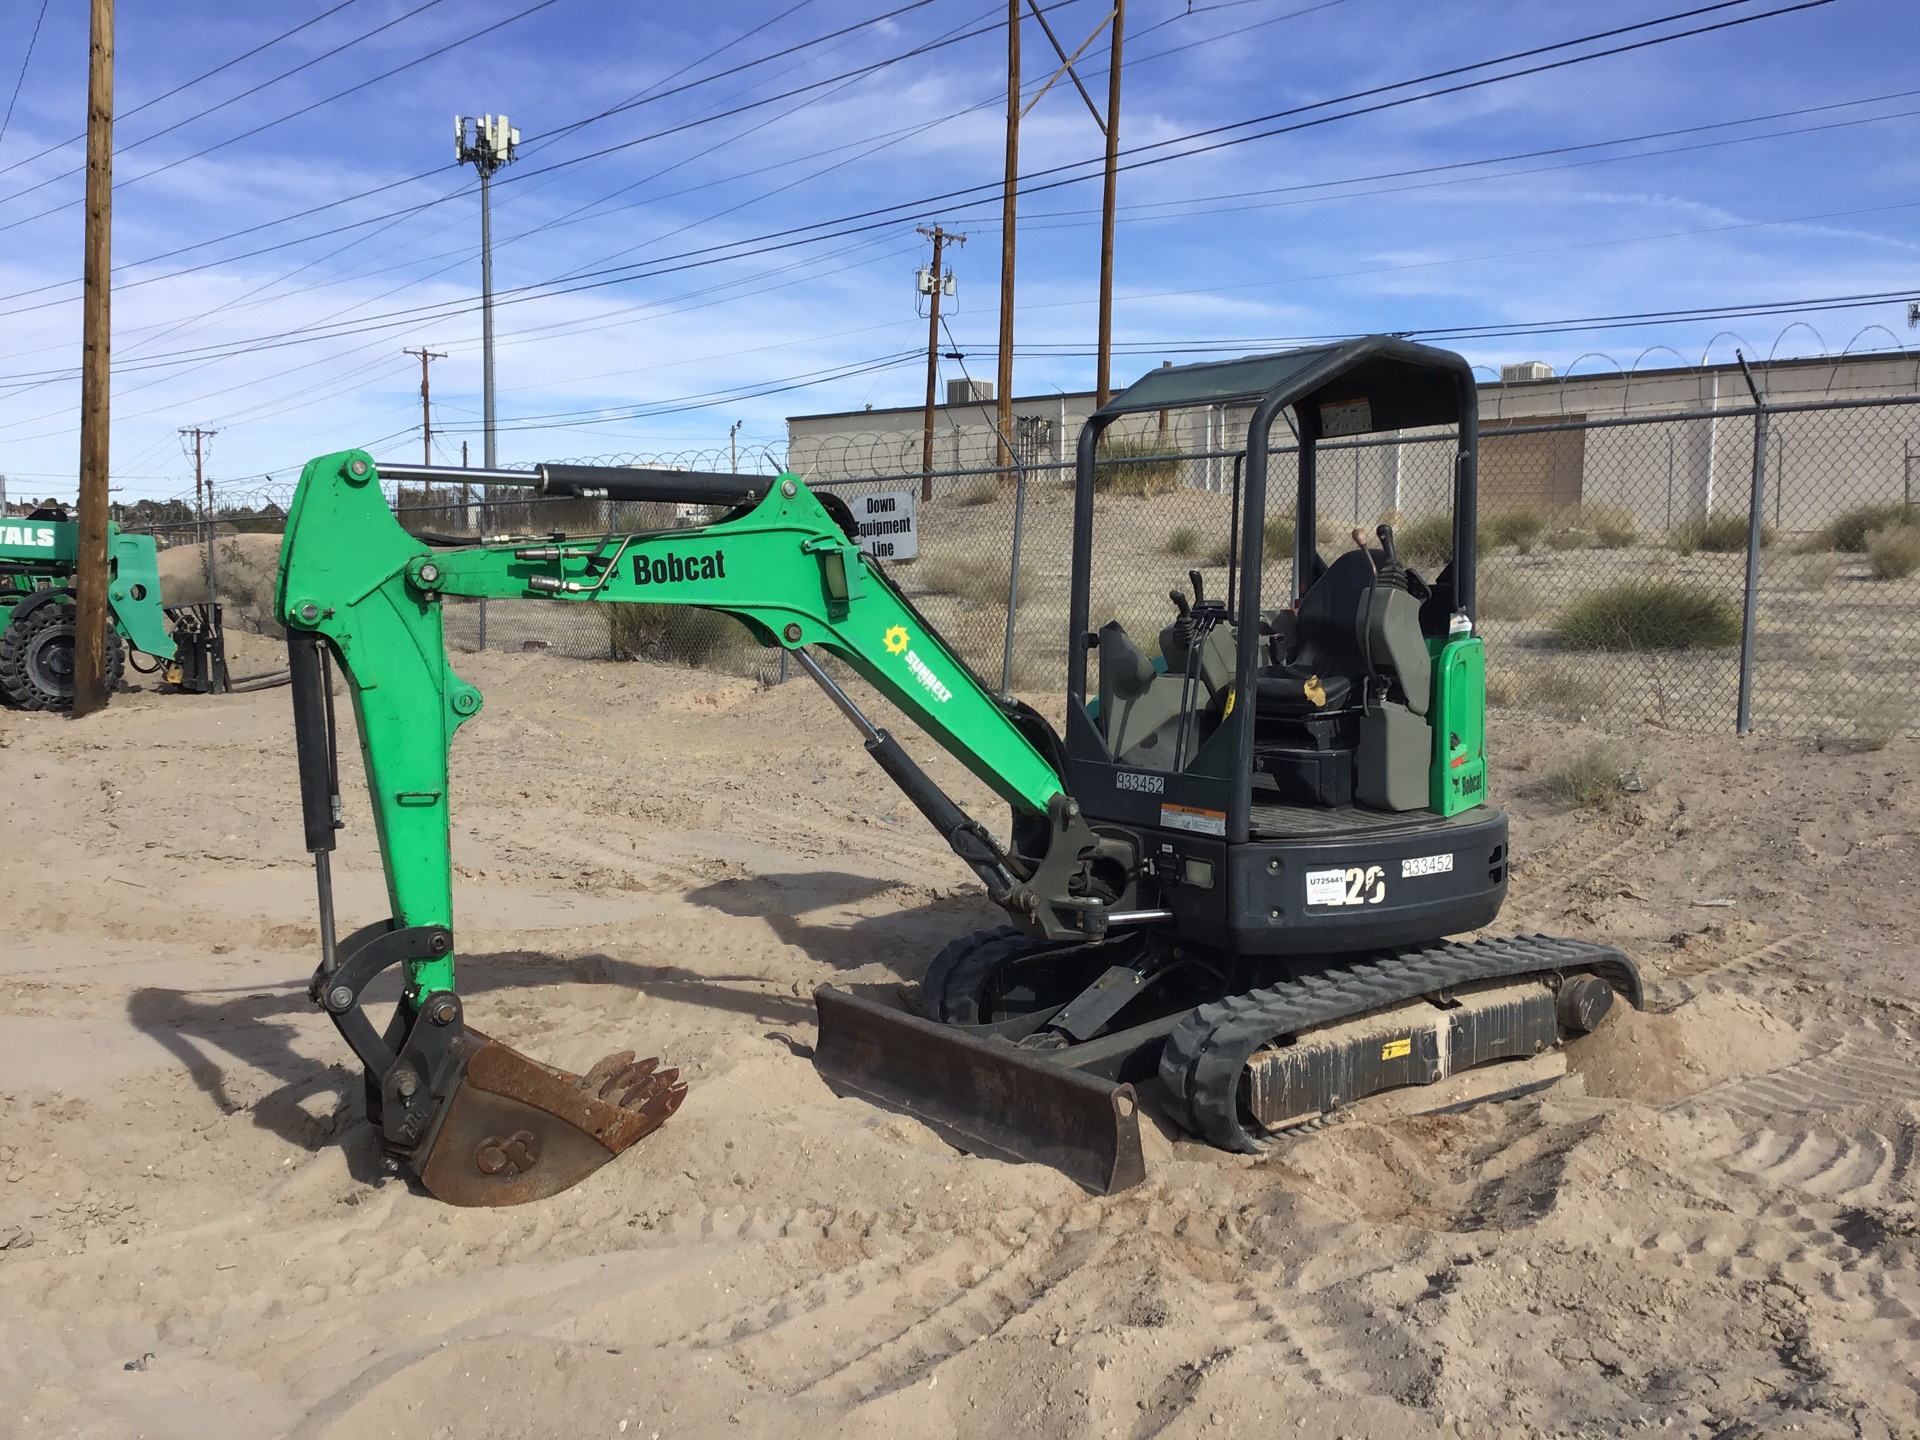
x=604 y=1070
x=514 y=1130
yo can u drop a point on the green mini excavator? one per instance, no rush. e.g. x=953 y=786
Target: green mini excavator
x=1233 y=876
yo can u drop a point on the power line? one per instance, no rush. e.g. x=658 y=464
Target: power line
x=1509 y=330
x=25 y=61
x=798 y=235
x=391 y=185
x=303 y=110
x=183 y=85
x=409 y=211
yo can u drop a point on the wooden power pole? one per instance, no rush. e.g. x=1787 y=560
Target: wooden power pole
x=1103 y=380
x=935 y=288
x=1109 y=126
x=1008 y=209
x=90 y=618
x=426 y=406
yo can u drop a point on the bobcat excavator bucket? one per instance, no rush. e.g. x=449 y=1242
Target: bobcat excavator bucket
x=980 y=1092
x=477 y=1122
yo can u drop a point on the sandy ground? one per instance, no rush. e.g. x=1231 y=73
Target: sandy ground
x=1707 y=1226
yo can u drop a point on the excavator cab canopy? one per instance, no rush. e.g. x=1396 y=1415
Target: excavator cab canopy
x=1207 y=762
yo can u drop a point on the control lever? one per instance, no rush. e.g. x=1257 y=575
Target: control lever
x=1199 y=587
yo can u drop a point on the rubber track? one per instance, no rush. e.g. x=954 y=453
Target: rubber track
x=1208 y=1048
x=936 y=984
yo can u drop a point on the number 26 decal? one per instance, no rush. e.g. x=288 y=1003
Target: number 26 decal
x=1366 y=887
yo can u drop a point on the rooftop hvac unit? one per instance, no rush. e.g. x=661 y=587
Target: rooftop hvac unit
x=969 y=392
x=1526 y=370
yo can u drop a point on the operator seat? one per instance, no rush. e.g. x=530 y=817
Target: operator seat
x=1321 y=736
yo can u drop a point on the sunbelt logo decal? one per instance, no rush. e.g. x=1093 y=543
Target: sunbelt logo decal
x=32 y=537
x=897 y=640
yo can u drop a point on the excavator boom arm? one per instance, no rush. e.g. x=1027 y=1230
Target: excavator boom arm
x=350 y=575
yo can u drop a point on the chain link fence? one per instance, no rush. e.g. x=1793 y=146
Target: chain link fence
x=1614 y=557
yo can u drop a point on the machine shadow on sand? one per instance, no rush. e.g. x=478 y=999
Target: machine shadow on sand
x=902 y=939
x=252 y=1028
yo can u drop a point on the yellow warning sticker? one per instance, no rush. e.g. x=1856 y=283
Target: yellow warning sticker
x=1394 y=1049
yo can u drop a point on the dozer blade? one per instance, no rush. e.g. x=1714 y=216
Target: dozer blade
x=983 y=1095
x=513 y=1130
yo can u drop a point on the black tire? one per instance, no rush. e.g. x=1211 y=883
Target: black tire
x=36 y=659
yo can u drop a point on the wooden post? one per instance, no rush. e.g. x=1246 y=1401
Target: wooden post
x=1104 y=378
x=1007 y=210
x=939 y=238
x=426 y=406
x=90 y=618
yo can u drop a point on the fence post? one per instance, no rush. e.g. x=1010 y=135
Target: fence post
x=1756 y=523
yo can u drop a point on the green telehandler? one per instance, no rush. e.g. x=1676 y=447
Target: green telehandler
x=1234 y=873
x=37 y=568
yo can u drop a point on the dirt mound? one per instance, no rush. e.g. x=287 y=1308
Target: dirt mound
x=244 y=571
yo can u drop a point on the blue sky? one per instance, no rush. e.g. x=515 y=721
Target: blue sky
x=680 y=249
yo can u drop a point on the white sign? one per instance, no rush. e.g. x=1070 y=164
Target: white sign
x=1345 y=417
x=889 y=524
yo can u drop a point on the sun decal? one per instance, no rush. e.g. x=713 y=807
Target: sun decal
x=896 y=639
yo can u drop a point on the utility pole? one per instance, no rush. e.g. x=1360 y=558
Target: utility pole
x=1008 y=209
x=96 y=332
x=733 y=446
x=426 y=409
x=202 y=494
x=1109 y=127
x=934 y=282
x=1103 y=379
x=491 y=147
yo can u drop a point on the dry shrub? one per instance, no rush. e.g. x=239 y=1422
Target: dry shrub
x=1647 y=614
x=1504 y=687
x=1562 y=688
x=1613 y=527
x=1506 y=596
x=677 y=635
x=979 y=582
x=1893 y=552
x=1567 y=535
x=1280 y=532
x=1593 y=779
x=1120 y=468
x=1850 y=529
x=1183 y=543
x=1222 y=555
x=1716 y=534
x=1426 y=542
x=1521 y=529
